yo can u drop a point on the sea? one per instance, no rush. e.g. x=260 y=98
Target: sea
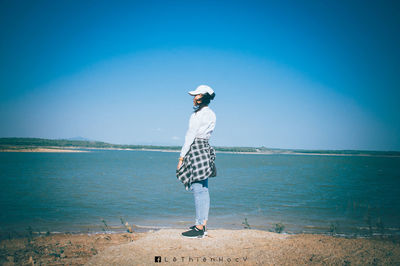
x=110 y=190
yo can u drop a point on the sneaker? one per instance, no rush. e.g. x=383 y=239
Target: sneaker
x=204 y=227
x=194 y=233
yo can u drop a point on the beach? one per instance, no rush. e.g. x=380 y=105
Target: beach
x=56 y=149
x=220 y=247
x=88 y=149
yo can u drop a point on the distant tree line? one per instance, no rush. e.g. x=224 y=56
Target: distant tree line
x=9 y=143
x=23 y=143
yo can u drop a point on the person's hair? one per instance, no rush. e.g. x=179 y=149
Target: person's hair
x=205 y=100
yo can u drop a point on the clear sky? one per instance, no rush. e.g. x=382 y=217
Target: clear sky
x=287 y=74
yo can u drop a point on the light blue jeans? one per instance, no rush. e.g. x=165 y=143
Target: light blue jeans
x=201 y=200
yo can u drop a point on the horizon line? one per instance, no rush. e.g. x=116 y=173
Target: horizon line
x=163 y=145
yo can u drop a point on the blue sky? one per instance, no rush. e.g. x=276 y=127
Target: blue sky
x=287 y=74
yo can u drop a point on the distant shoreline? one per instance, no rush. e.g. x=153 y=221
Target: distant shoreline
x=42 y=150
x=87 y=149
x=63 y=145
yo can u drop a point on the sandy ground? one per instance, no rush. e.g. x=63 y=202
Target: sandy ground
x=59 y=249
x=221 y=247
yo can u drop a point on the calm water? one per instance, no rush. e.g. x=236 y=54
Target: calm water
x=75 y=191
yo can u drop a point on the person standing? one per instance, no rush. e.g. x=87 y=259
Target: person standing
x=197 y=158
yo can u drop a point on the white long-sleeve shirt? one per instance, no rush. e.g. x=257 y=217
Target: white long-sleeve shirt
x=201 y=125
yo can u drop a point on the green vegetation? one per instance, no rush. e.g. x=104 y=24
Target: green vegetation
x=380 y=226
x=126 y=224
x=29 y=229
x=29 y=143
x=246 y=224
x=332 y=229
x=279 y=227
x=32 y=143
x=106 y=228
x=236 y=149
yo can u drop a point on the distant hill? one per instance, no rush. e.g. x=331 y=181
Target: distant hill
x=79 y=138
x=20 y=143
x=24 y=143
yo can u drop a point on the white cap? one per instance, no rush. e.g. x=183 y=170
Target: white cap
x=202 y=89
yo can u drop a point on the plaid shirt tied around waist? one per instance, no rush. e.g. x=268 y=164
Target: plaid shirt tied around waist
x=198 y=163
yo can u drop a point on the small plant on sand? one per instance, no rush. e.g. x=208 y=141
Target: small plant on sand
x=9 y=236
x=369 y=222
x=94 y=251
x=332 y=229
x=106 y=226
x=246 y=224
x=279 y=228
x=128 y=228
x=380 y=226
x=29 y=229
x=30 y=233
x=126 y=224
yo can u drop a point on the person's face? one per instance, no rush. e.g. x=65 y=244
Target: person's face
x=197 y=99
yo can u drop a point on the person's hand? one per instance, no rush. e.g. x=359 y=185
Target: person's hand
x=179 y=163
